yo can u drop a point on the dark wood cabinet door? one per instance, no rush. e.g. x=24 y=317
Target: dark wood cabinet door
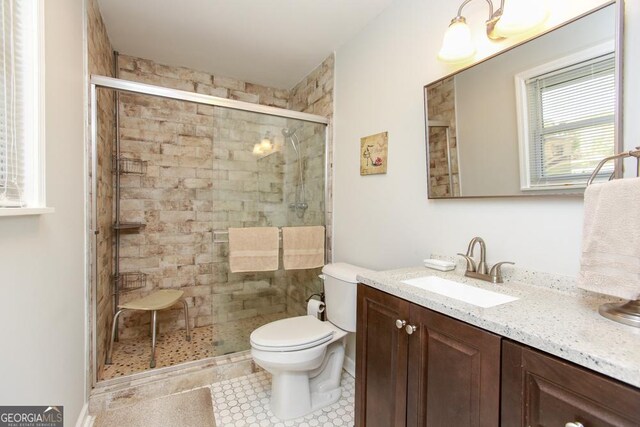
x=381 y=360
x=454 y=373
x=543 y=391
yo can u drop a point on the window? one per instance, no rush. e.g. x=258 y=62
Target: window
x=569 y=120
x=20 y=106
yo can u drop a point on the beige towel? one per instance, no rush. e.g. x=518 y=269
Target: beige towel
x=610 y=262
x=302 y=247
x=253 y=249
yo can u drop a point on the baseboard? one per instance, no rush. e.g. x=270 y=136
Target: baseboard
x=84 y=419
x=349 y=365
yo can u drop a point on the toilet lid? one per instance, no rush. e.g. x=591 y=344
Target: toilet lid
x=295 y=333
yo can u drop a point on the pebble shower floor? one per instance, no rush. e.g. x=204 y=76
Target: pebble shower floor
x=244 y=402
x=132 y=355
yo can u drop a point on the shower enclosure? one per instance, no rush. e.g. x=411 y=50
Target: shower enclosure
x=173 y=171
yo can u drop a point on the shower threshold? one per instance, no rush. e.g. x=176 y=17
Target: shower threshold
x=127 y=390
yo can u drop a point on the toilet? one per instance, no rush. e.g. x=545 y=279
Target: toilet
x=303 y=354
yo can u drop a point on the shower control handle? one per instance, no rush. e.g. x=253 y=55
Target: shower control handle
x=400 y=323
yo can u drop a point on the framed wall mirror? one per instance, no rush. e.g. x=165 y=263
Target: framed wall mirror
x=533 y=120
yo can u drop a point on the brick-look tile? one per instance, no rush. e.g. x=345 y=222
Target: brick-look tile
x=201 y=176
x=441 y=106
x=101 y=62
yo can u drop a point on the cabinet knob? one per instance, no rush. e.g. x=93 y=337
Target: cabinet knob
x=574 y=424
x=410 y=329
x=400 y=323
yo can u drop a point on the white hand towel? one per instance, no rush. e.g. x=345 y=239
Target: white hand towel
x=610 y=261
x=253 y=249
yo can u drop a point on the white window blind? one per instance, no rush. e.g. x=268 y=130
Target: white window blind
x=570 y=122
x=18 y=103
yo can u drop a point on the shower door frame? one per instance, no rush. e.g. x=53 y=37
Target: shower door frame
x=103 y=82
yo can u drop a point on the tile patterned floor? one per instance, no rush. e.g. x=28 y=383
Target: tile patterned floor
x=132 y=355
x=243 y=402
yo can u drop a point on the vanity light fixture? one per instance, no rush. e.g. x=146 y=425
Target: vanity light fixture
x=512 y=18
x=457 y=45
x=521 y=16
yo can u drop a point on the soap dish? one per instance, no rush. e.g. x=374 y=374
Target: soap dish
x=440 y=265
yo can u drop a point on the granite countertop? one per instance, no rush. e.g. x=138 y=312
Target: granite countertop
x=558 y=319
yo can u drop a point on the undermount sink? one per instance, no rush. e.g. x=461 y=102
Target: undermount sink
x=459 y=291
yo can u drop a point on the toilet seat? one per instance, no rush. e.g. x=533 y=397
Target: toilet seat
x=292 y=334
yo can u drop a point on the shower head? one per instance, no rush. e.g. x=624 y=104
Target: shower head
x=288 y=133
x=291 y=134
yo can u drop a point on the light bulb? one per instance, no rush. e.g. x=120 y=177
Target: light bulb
x=521 y=16
x=257 y=149
x=457 y=45
x=266 y=144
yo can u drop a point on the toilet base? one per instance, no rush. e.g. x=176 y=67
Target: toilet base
x=295 y=394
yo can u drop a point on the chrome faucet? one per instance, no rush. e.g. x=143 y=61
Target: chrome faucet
x=480 y=270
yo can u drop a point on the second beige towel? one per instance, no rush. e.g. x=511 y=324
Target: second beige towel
x=253 y=249
x=302 y=247
x=610 y=262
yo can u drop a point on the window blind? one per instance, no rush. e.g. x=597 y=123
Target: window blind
x=571 y=122
x=17 y=101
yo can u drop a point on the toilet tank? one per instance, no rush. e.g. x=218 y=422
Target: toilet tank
x=340 y=286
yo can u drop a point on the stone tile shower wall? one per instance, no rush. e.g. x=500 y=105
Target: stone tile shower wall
x=441 y=106
x=314 y=95
x=202 y=176
x=100 y=61
x=148 y=71
x=173 y=199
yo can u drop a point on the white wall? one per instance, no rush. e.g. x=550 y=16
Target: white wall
x=386 y=221
x=42 y=361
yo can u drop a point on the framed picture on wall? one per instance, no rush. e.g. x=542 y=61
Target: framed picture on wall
x=373 y=154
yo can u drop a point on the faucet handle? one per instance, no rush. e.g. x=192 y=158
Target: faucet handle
x=496 y=271
x=471 y=264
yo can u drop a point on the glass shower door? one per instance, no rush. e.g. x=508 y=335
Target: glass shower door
x=268 y=172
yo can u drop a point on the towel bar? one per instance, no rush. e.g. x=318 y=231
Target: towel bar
x=627 y=313
x=225 y=232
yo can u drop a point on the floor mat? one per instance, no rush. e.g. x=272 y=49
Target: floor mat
x=189 y=409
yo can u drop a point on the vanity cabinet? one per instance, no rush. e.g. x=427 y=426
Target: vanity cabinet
x=416 y=367
x=381 y=359
x=541 y=390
